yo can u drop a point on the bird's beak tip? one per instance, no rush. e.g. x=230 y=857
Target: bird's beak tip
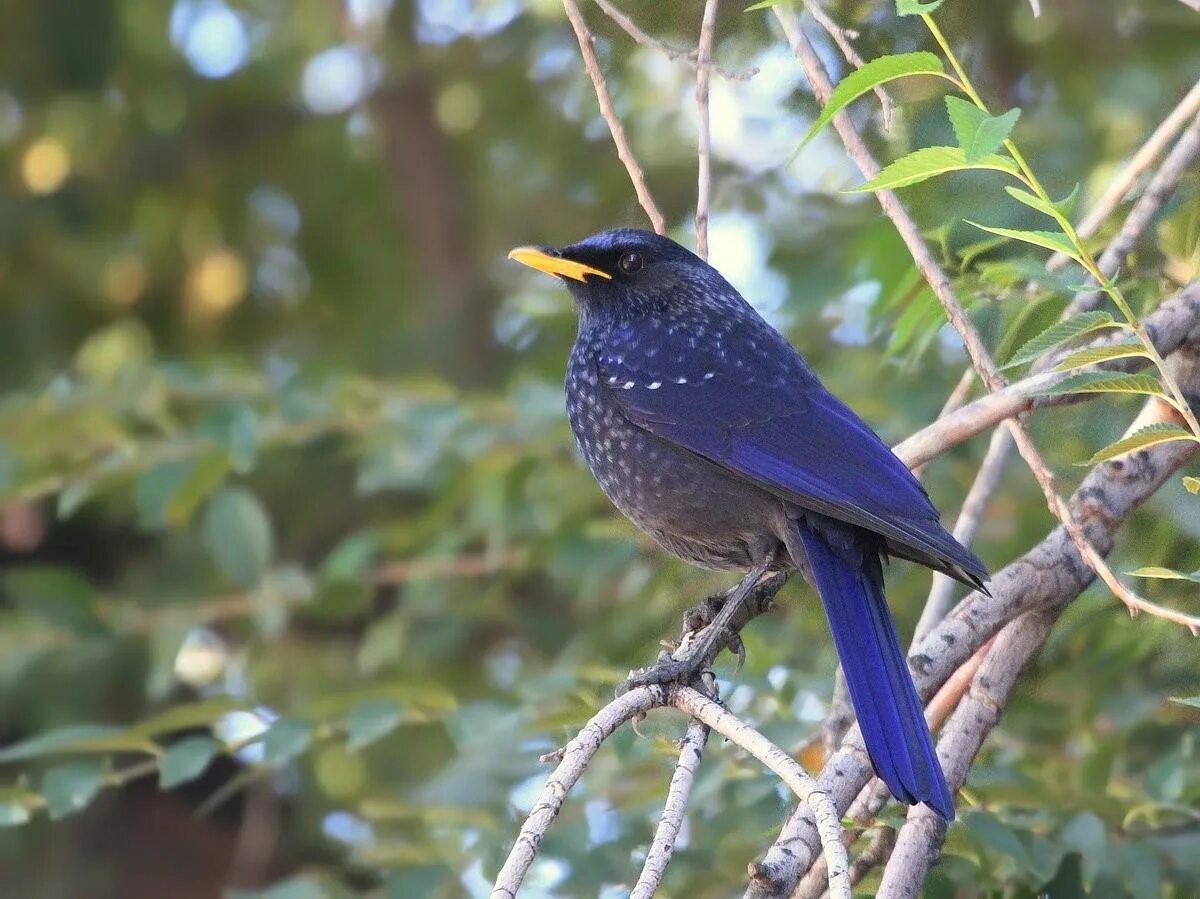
x=547 y=260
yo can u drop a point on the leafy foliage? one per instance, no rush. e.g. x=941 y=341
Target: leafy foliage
x=287 y=495
x=979 y=134
x=871 y=75
x=928 y=162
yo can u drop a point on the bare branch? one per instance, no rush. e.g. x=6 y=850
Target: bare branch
x=789 y=770
x=1051 y=572
x=1175 y=323
x=1161 y=187
x=575 y=758
x=842 y=37
x=704 y=140
x=691 y=751
x=1114 y=194
x=939 y=282
x=941 y=592
x=689 y=57
x=615 y=128
x=875 y=795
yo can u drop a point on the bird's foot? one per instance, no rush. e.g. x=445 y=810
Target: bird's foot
x=700 y=641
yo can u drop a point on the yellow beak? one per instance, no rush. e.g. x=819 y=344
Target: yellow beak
x=536 y=257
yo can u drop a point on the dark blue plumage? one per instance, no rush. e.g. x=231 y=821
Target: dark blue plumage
x=708 y=429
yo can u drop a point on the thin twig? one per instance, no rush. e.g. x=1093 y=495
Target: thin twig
x=939 y=282
x=1050 y=572
x=988 y=477
x=875 y=795
x=842 y=37
x=789 y=771
x=878 y=851
x=575 y=758
x=588 y=50
x=691 y=751
x=1160 y=188
x=1120 y=186
x=1173 y=324
x=679 y=54
x=704 y=140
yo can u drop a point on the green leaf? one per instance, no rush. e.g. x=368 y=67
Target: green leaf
x=1050 y=240
x=1166 y=574
x=372 y=720
x=1104 y=382
x=1023 y=196
x=977 y=132
x=154 y=488
x=186 y=760
x=57 y=596
x=762 y=4
x=1060 y=332
x=1086 y=834
x=1093 y=355
x=868 y=77
x=75 y=739
x=916 y=7
x=1191 y=485
x=1192 y=702
x=234 y=427
x=70 y=788
x=928 y=162
x=1067 y=204
x=238 y=535
x=205 y=476
x=286 y=739
x=995 y=836
x=1151 y=435
x=189 y=715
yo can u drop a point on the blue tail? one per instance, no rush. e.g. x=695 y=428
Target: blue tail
x=850 y=580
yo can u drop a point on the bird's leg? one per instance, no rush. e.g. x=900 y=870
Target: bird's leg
x=686 y=664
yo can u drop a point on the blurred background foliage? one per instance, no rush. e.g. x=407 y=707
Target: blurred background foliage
x=300 y=573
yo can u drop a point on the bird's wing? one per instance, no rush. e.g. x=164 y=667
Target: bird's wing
x=742 y=397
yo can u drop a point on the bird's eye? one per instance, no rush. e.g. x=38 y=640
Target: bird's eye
x=630 y=263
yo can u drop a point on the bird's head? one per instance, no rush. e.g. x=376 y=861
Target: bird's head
x=625 y=271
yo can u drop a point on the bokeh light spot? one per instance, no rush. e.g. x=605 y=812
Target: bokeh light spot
x=45 y=165
x=458 y=107
x=124 y=279
x=334 y=80
x=216 y=283
x=211 y=36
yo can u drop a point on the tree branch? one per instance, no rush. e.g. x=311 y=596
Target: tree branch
x=939 y=282
x=1159 y=190
x=987 y=479
x=576 y=755
x=842 y=38
x=704 y=127
x=588 y=50
x=679 y=54
x=1114 y=194
x=1051 y=572
x=691 y=751
x=1175 y=323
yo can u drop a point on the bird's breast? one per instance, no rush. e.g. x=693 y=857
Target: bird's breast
x=690 y=506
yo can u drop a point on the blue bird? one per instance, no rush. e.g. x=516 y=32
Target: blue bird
x=709 y=430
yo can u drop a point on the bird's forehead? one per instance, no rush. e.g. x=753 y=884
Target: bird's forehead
x=617 y=239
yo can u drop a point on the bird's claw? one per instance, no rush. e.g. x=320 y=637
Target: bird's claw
x=668 y=670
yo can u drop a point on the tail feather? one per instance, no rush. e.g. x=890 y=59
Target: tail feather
x=850 y=581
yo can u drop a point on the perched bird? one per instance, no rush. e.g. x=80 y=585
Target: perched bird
x=710 y=431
